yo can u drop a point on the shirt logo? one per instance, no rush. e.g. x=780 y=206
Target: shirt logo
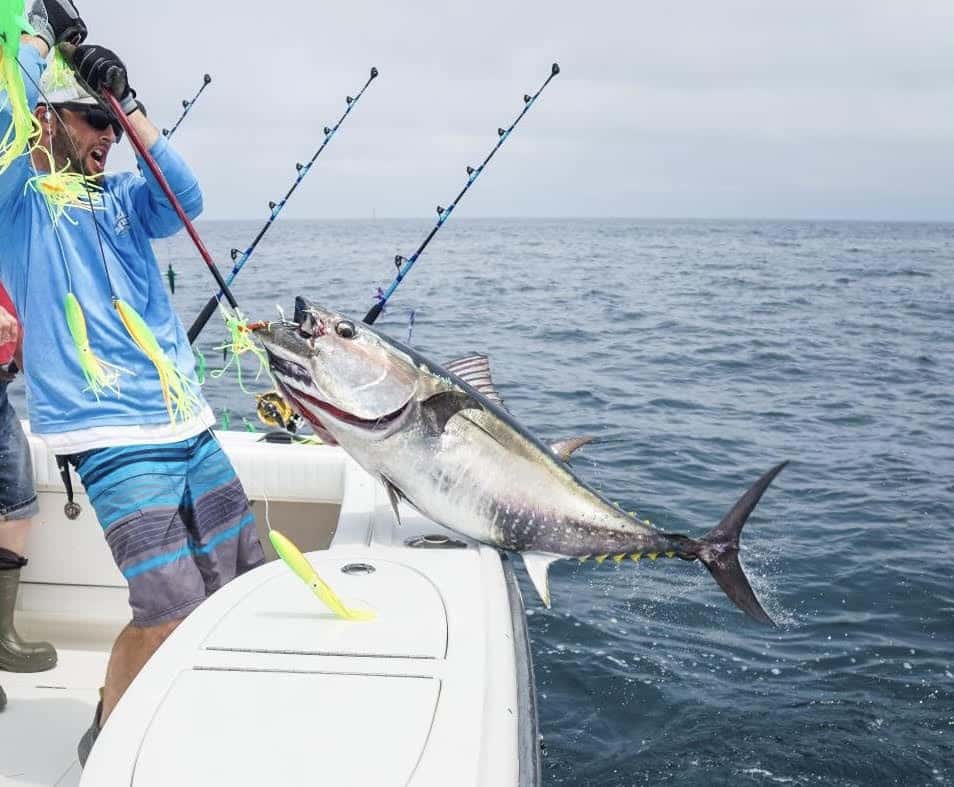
x=122 y=224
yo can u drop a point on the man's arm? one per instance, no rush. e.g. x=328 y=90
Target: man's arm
x=101 y=69
x=38 y=44
x=9 y=327
x=145 y=129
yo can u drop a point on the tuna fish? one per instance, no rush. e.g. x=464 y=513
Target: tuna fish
x=441 y=438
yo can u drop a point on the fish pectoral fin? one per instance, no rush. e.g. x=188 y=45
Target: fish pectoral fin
x=565 y=448
x=395 y=495
x=538 y=569
x=438 y=409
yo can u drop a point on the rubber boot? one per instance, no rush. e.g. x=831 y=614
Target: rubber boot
x=15 y=654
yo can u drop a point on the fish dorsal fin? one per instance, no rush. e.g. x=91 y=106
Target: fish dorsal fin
x=538 y=569
x=565 y=448
x=395 y=496
x=475 y=371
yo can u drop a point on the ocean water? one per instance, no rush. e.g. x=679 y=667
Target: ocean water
x=699 y=353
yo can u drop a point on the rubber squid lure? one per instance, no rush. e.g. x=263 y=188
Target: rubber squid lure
x=24 y=129
x=299 y=564
x=100 y=376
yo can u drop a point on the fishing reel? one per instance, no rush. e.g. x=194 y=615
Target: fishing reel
x=275 y=412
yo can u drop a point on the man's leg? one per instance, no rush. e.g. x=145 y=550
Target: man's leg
x=17 y=504
x=13 y=535
x=218 y=517
x=133 y=648
x=137 y=493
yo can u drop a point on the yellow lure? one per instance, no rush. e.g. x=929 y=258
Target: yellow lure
x=297 y=562
x=100 y=375
x=181 y=401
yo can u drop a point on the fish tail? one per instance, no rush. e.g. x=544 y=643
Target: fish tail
x=719 y=550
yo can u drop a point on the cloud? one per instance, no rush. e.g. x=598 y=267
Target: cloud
x=687 y=108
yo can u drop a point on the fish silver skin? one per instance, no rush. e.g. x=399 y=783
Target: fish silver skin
x=444 y=442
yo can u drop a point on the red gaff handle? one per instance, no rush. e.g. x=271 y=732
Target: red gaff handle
x=163 y=183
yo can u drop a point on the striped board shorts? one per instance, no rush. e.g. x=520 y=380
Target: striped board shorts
x=176 y=519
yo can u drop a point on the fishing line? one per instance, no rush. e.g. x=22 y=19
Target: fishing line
x=187 y=107
x=404 y=265
x=241 y=258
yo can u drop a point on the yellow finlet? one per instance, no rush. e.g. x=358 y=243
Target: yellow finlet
x=671 y=554
x=636 y=556
x=653 y=555
x=601 y=558
x=618 y=559
x=584 y=558
x=298 y=563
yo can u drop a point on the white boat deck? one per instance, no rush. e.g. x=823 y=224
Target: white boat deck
x=48 y=712
x=439 y=673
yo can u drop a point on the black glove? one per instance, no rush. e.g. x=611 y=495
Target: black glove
x=56 y=21
x=102 y=69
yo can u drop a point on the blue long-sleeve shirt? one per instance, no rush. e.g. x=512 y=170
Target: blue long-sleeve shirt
x=39 y=266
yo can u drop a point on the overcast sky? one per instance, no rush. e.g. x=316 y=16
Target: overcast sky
x=686 y=108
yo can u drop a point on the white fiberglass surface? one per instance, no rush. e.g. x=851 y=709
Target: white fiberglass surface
x=283 y=616
x=246 y=729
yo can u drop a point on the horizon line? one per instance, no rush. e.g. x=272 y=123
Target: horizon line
x=765 y=219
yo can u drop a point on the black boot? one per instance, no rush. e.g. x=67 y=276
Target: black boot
x=15 y=654
x=3 y=699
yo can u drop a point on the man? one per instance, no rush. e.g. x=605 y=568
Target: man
x=17 y=505
x=172 y=509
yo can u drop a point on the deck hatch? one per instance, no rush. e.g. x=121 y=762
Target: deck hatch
x=282 y=616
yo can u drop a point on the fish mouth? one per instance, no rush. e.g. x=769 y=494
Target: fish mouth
x=287 y=368
x=305 y=404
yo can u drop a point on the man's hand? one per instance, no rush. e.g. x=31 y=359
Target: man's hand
x=101 y=68
x=57 y=21
x=9 y=328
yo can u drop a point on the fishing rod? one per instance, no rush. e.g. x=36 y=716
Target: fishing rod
x=403 y=264
x=146 y=156
x=187 y=107
x=243 y=257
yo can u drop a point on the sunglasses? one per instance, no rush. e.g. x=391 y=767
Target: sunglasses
x=96 y=117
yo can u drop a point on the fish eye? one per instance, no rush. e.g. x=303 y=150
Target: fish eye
x=346 y=330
